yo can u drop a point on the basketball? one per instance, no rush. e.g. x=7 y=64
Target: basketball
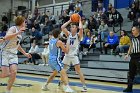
x=75 y=17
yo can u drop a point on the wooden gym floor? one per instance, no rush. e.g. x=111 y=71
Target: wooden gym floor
x=28 y=83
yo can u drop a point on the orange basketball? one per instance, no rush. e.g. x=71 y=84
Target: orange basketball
x=75 y=17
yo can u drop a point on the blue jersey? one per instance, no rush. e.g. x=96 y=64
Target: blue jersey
x=55 y=52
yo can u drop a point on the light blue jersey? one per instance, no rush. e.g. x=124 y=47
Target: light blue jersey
x=55 y=55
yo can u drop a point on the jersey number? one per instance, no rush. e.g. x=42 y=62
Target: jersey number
x=71 y=42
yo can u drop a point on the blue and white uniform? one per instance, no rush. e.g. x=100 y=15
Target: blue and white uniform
x=72 y=56
x=9 y=48
x=55 y=55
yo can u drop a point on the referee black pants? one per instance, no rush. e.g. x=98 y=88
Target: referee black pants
x=134 y=68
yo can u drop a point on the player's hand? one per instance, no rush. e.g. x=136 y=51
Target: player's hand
x=21 y=30
x=28 y=55
x=126 y=57
x=80 y=19
x=70 y=20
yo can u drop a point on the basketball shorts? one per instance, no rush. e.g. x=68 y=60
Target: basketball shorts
x=8 y=58
x=56 y=65
x=73 y=60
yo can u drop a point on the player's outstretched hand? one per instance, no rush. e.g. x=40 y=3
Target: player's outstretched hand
x=28 y=55
x=80 y=19
x=22 y=30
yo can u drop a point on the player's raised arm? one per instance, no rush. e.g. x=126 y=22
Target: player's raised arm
x=80 y=33
x=64 y=29
x=62 y=46
x=11 y=33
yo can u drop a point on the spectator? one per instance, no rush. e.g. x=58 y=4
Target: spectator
x=34 y=51
x=71 y=8
x=65 y=17
x=36 y=35
x=36 y=25
x=42 y=19
x=124 y=43
x=109 y=14
x=137 y=22
x=112 y=42
x=115 y=18
x=4 y=29
x=94 y=5
x=52 y=19
x=78 y=5
x=132 y=12
x=48 y=26
x=103 y=31
x=100 y=16
x=137 y=4
x=100 y=8
x=78 y=8
x=36 y=11
x=92 y=24
x=88 y=42
x=4 y=18
x=45 y=53
x=85 y=23
x=30 y=16
x=110 y=6
x=29 y=20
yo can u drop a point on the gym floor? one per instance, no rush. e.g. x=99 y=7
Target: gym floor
x=28 y=83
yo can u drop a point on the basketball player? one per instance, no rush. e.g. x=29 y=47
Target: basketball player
x=74 y=39
x=55 y=46
x=9 y=58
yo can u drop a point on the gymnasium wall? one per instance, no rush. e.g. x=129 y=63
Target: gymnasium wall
x=5 y=5
x=57 y=7
x=47 y=2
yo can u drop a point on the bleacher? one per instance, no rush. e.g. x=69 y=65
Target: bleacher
x=94 y=65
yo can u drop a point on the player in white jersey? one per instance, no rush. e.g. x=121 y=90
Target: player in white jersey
x=9 y=49
x=74 y=39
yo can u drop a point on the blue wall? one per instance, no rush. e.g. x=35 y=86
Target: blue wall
x=122 y=3
x=119 y=3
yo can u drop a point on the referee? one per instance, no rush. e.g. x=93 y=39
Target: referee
x=134 y=52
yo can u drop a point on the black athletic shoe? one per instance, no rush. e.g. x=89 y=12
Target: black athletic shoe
x=128 y=90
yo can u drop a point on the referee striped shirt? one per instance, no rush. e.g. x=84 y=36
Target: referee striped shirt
x=135 y=44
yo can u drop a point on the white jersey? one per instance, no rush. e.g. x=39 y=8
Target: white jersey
x=12 y=44
x=74 y=45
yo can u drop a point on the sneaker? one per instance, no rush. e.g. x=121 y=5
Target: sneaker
x=67 y=89
x=127 y=90
x=46 y=64
x=84 y=89
x=45 y=88
x=8 y=91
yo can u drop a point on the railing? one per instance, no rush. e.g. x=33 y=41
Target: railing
x=58 y=8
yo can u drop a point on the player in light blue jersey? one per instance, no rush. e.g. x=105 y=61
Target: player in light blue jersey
x=55 y=47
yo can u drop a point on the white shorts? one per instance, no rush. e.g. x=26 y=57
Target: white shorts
x=8 y=59
x=71 y=60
